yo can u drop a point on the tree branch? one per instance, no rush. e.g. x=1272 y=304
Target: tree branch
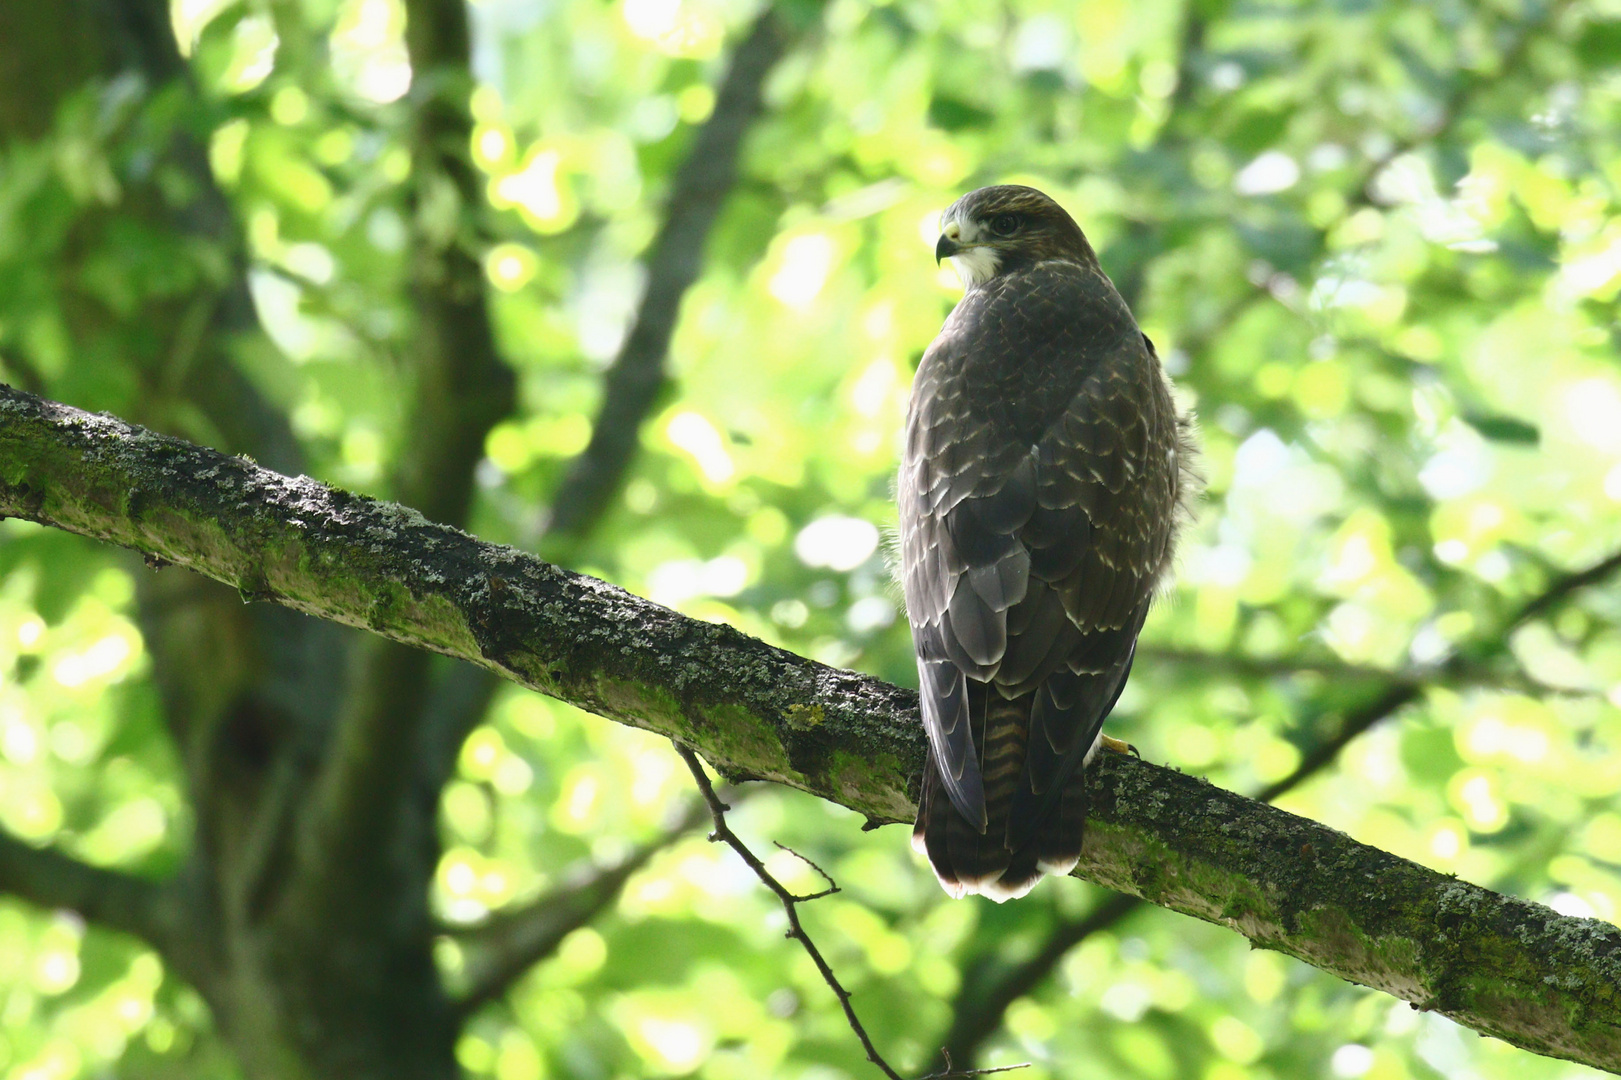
x=506 y=946
x=979 y=1008
x=757 y=710
x=51 y=879
x=790 y=901
x=1464 y=675
x=1400 y=694
x=362 y=802
x=461 y=386
x=1513 y=969
x=638 y=373
x=461 y=696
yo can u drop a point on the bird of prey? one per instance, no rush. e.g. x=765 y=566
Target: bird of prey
x=1042 y=482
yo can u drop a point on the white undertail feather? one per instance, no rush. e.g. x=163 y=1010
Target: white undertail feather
x=1057 y=869
x=995 y=890
x=1092 y=751
x=991 y=886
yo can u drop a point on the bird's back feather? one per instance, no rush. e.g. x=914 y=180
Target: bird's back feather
x=1037 y=497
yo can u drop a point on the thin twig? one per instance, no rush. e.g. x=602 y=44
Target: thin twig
x=832 y=886
x=790 y=905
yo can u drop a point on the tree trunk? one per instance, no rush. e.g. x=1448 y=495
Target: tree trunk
x=311 y=942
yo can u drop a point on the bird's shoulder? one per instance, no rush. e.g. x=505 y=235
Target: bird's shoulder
x=1023 y=349
x=1020 y=347
x=1052 y=301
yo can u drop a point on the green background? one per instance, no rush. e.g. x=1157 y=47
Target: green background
x=1377 y=244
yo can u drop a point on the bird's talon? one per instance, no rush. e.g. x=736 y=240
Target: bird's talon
x=1118 y=746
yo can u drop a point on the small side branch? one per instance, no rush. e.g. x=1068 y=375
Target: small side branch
x=723 y=834
x=1402 y=692
x=1474 y=675
x=48 y=878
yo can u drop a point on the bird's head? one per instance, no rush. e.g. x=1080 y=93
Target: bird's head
x=1001 y=229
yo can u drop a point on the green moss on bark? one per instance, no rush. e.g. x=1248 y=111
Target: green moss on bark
x=1513 y=969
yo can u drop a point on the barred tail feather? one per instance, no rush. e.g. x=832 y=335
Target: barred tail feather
x=967 y=861
x=1057 y=841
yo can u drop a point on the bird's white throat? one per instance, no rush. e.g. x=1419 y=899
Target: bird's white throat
x=975 y=265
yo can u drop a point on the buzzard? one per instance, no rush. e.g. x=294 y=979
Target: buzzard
x=1040 y=489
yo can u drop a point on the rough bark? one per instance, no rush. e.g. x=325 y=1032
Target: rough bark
x=1506 y=967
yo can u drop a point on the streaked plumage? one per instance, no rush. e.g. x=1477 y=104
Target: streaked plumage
x=1039 y=491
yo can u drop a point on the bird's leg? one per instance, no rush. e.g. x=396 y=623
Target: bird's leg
x=1117 y=746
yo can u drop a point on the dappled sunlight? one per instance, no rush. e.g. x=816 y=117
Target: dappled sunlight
x=837 y=543
x=536 y=190
x=367 y=50
x=806 y=263
x=691 y=432
x=1377 y=247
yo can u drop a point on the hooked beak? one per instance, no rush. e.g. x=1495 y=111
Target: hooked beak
x=948 y=245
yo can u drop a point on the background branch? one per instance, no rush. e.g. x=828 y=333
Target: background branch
x=51 y=879
x=371 y=813
x=1477 y=650
x=461 y=386
x=501 y=949
x=1510 y=968
x=1466 y=673
x=983 y=999
x=638 y=373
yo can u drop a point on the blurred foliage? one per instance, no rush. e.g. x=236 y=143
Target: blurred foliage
x=1378 y=244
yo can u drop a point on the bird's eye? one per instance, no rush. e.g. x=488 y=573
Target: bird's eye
x=1005 y=224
